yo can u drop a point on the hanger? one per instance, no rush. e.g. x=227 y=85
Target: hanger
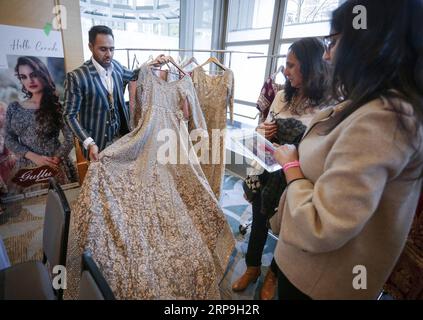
x=280 y=69
x=166 y=60
x=150 y=58
x=167 y=71
x=215 y=61
x=176 y=65
x=136 y=61
x=189 y=61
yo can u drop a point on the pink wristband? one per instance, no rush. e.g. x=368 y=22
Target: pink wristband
x=289 y=165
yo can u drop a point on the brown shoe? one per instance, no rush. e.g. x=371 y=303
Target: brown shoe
x=269 y=286
x=250 y=276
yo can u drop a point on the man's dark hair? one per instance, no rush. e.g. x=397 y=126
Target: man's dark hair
x=95 y=30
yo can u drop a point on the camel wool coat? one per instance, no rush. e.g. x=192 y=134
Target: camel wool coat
x=342 y=229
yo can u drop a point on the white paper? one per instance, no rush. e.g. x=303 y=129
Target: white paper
x=256 y=147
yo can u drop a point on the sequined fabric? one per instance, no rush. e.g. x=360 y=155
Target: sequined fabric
x=216 y=94
x=155 y=230
x=24 y=133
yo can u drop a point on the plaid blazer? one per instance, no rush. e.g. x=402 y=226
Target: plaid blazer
x=86 y=108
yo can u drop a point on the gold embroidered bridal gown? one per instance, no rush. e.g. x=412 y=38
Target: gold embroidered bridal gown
x=215 y=94
x=155 y=230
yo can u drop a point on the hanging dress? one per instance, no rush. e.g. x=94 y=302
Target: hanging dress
x=216 y=94
x=155 y=229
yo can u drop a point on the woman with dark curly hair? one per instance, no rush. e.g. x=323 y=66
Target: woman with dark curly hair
x=292 y=109
x=33 y=126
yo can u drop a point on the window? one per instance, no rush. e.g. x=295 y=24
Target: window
x=250 y=20
x=308 y=11
x=281 y=62
x=122 y=2
x=308 y=18
x=257 y=24
x=135 y=24
x=249 y=28
x=249 y=73
x=140 y=3
x=304 y=18
x=203 y=27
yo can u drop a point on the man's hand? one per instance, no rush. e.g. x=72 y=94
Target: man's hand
x=160 y=59
x=268 y=129
x=93 y=152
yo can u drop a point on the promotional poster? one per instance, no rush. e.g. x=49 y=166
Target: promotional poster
x=34 y=143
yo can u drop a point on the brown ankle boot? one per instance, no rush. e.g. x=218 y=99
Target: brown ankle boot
x=250 y=276
x=269 y=286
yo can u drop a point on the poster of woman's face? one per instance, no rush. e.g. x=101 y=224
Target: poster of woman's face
x=15 y=81
x=35 y=143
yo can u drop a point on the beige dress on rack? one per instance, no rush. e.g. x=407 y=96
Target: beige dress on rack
x=216 y=94
x=155 y=230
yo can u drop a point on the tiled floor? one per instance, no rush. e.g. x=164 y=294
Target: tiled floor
x=238 y=211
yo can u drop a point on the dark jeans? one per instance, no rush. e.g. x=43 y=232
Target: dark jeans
x=258 y=237
x=287 y=291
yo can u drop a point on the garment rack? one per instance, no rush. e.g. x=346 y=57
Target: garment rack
x=257 y=55
x=128 y=50
x=271 y=56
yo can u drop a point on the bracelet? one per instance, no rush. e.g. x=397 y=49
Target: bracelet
x=289 y=165
x=294 y=181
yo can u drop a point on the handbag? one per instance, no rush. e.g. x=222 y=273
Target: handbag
x=270 y=186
